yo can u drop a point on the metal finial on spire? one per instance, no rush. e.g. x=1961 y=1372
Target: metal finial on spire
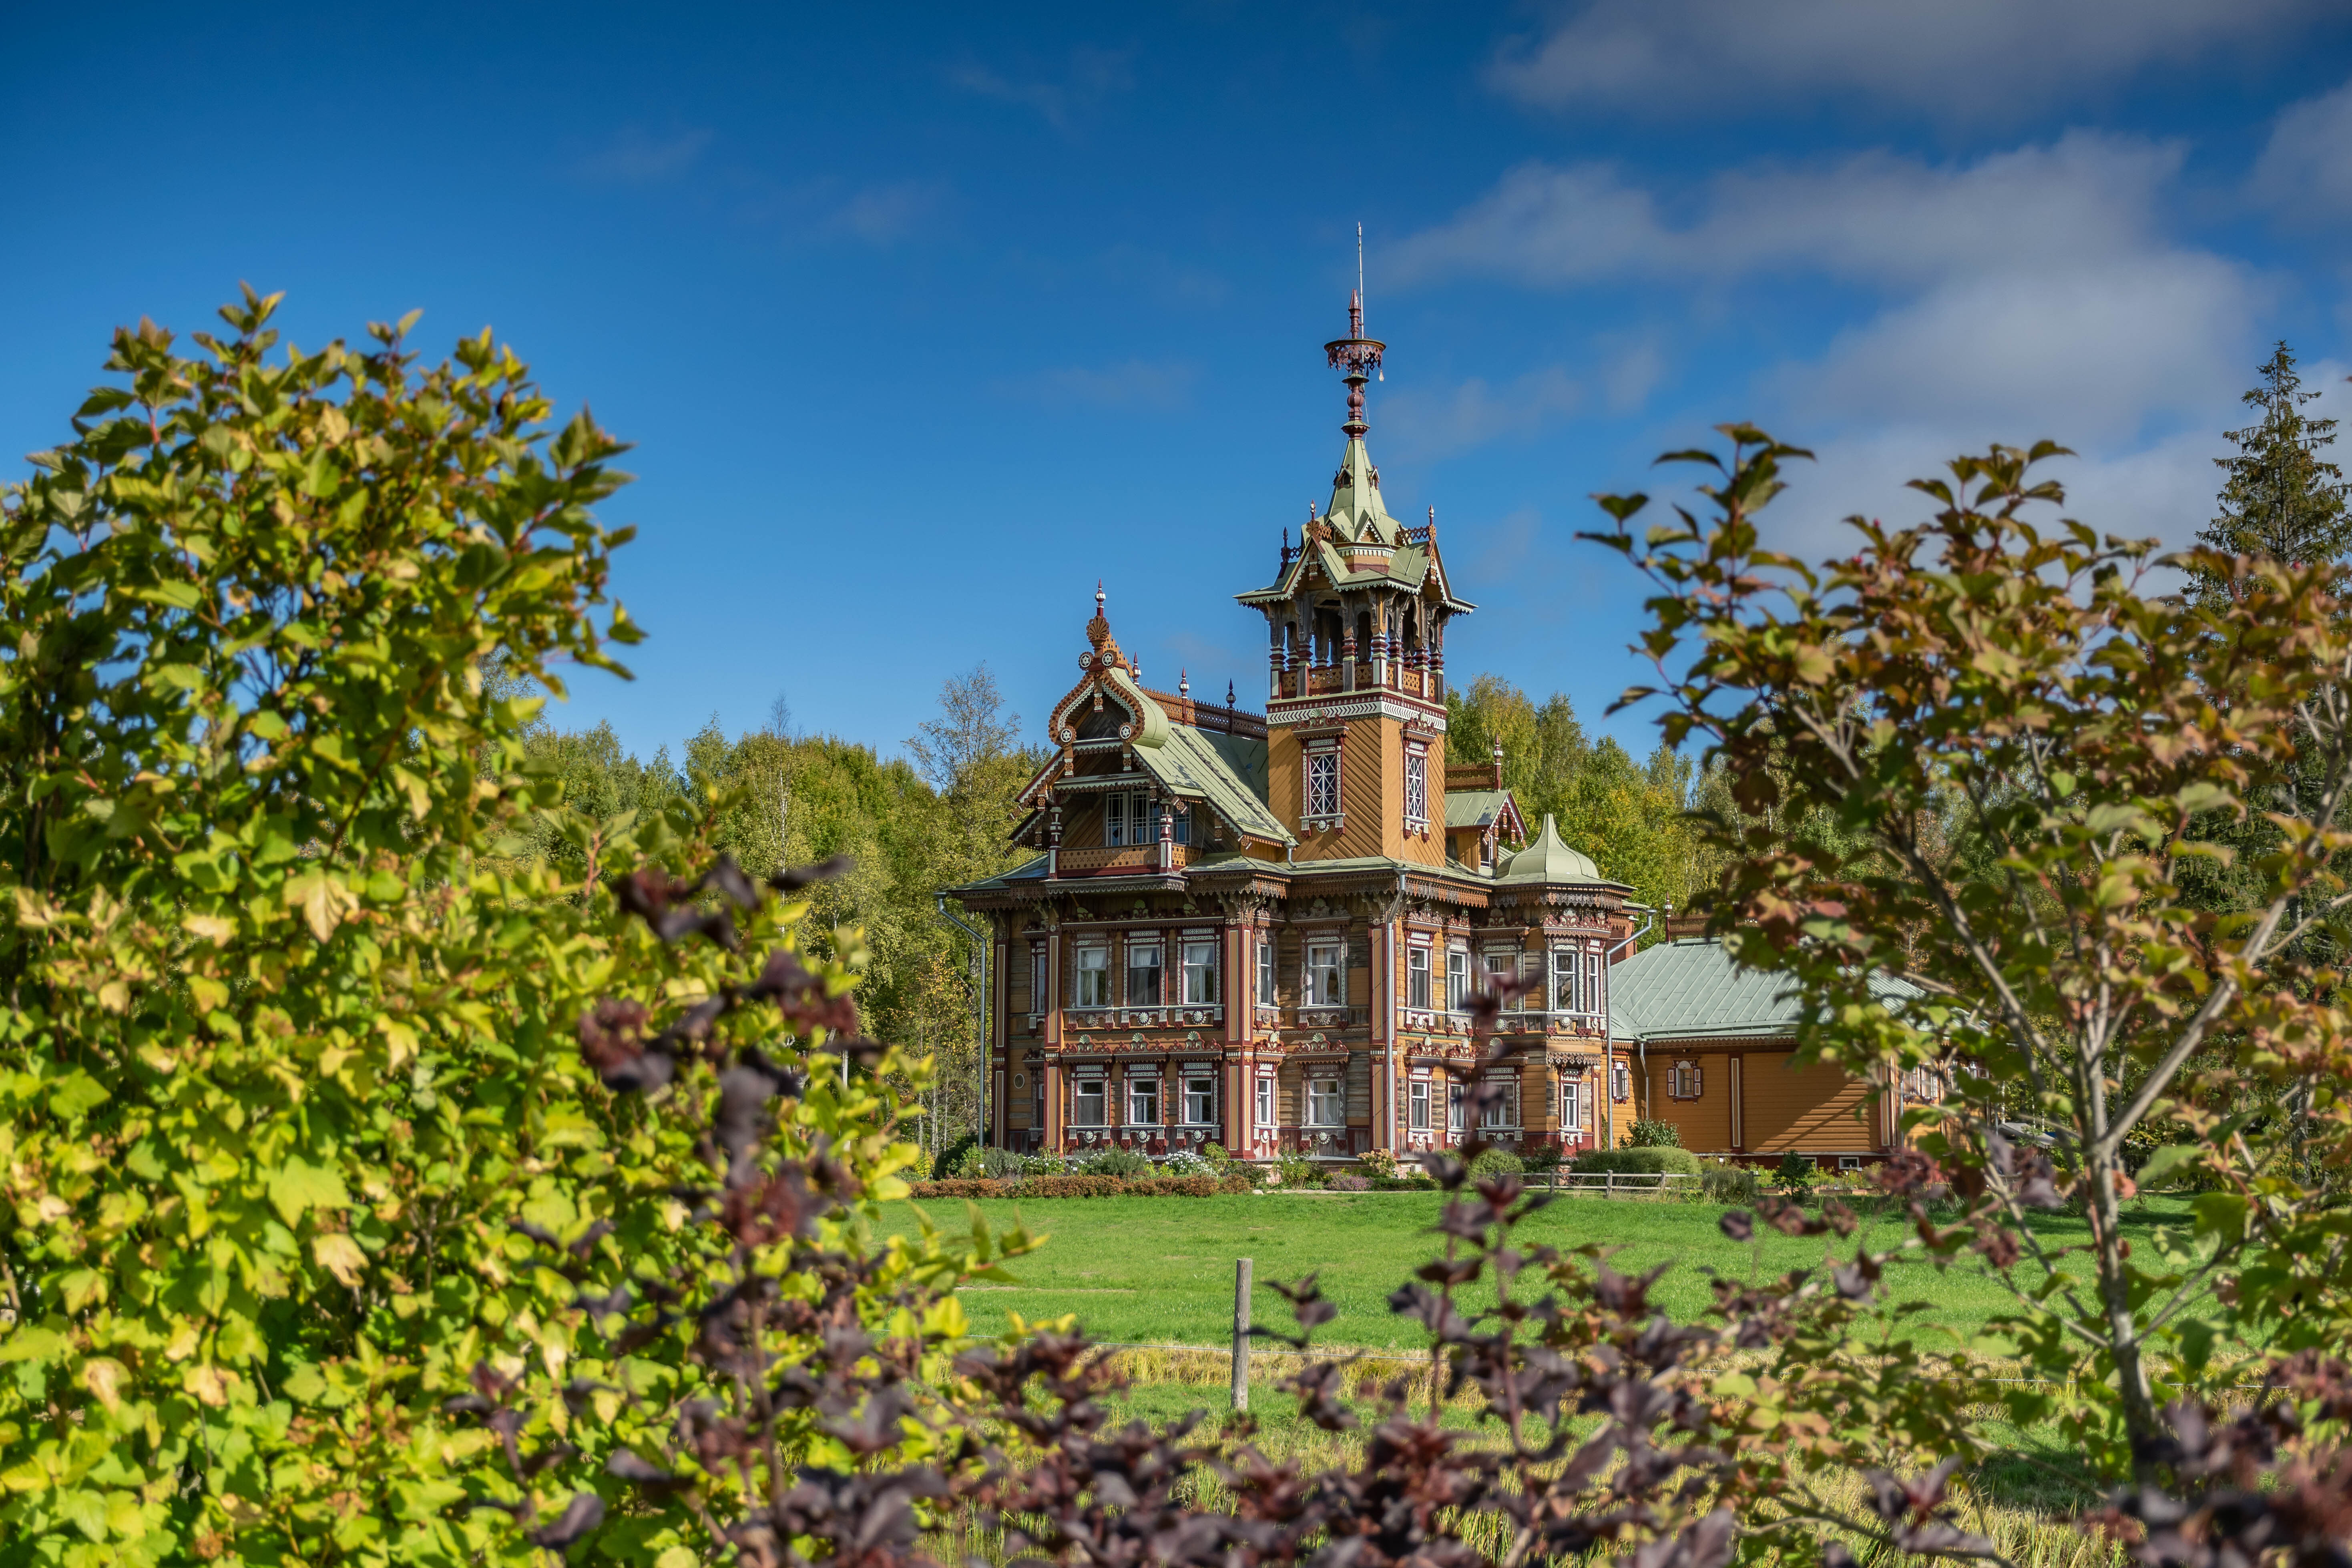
x=1357 y=356
x=1183 y=682
x=1229 y=694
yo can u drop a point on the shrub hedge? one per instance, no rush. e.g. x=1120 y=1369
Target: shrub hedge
x=1637 y=1161
x=1083 y=1187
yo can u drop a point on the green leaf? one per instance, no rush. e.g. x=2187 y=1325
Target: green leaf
x=300 y=1187
x=2166 y=1161
x=76 y=1095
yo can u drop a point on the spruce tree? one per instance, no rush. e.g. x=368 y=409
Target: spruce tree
x=2281 y=498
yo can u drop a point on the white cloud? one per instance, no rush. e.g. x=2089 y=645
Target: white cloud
x=2306 y=170
x=636 y=156
x=2028 y=293
x=1874 y=217
x=2076 y=354
x=1412 y=424
x=1986 y=57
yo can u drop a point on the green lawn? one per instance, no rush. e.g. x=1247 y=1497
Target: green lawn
x=1160 y=1270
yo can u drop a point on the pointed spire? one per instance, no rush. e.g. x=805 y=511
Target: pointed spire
x=1357 y=357
x=1183 y=682
x=1229 y=694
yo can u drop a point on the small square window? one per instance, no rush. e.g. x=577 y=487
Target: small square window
x=1089 y=1102
x=1324 y=1104
x=1144 y=1102
x=1200 y=1100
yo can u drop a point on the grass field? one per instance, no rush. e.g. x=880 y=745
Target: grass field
x=1160 y=1270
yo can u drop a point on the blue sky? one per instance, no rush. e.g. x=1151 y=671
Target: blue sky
x=922 y=319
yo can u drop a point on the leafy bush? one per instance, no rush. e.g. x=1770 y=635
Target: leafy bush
x=1496 y=1163
x=1294 y=1171
x=316 y=1100
x=1650 y=1134
x=1541 y=1162
x=1652 y=1160
x=1377 y=1162
x=1184 y=1163
x=1084 y=1187
x=1113 y=1162
x=951 y=1160
x=1404 y=1184
x=1731 y=1185
x=972 y=1165
x=1045 y=1165
x=1797 y=1174
x=1346 y=1182
x=1216 y=1155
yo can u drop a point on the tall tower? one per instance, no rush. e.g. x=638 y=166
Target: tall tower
x=1356 y=622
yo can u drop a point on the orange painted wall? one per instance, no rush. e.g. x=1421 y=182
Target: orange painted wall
x=1809 y=1109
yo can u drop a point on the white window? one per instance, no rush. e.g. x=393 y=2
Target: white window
x=1036 y=979
x=1620 y=1082
x=1567 y=980
x=1572 y=1106
x=1144 y=1102
x=1322 y=786
x=1324 y=1106
x=1265 y=970
x=1417 y=1105
x=1090 y=977
x=1416 y=977
x=1686 y=1081
x=1143 y=972
x=1091 y=1102
x=1454 y=1106
x=1264 y=1102
x=1326 y=974
x=1504 y=1112
x=1501 y=969
x=1200 y=1100
x=1416 y=791
x=1458 y=978
x=1200 y=971
x=1115 y=820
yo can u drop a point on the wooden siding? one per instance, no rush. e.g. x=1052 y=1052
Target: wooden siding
x=1704 y=1123
x=1809 y=1109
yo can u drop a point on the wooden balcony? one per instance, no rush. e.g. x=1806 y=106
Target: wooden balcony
x=1123 y=861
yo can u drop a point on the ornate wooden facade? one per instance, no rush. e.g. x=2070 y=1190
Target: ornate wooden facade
x=1262 y=930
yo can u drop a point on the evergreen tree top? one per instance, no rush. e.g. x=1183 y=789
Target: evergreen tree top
x=2281 y=498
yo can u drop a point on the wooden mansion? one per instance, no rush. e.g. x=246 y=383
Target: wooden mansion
x=1261 y=931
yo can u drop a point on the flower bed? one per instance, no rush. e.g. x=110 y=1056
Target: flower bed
x=1082 y=1188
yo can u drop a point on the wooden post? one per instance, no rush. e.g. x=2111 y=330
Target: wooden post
x=1240 y=1332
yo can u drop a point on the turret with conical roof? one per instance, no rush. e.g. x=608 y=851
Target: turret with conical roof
x=1356 y=623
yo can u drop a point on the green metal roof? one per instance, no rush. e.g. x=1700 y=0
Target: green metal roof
x=1473 y=807
x=1027 y=871
x=1190 y=763
x=1545 y=859
x=1690 y=988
